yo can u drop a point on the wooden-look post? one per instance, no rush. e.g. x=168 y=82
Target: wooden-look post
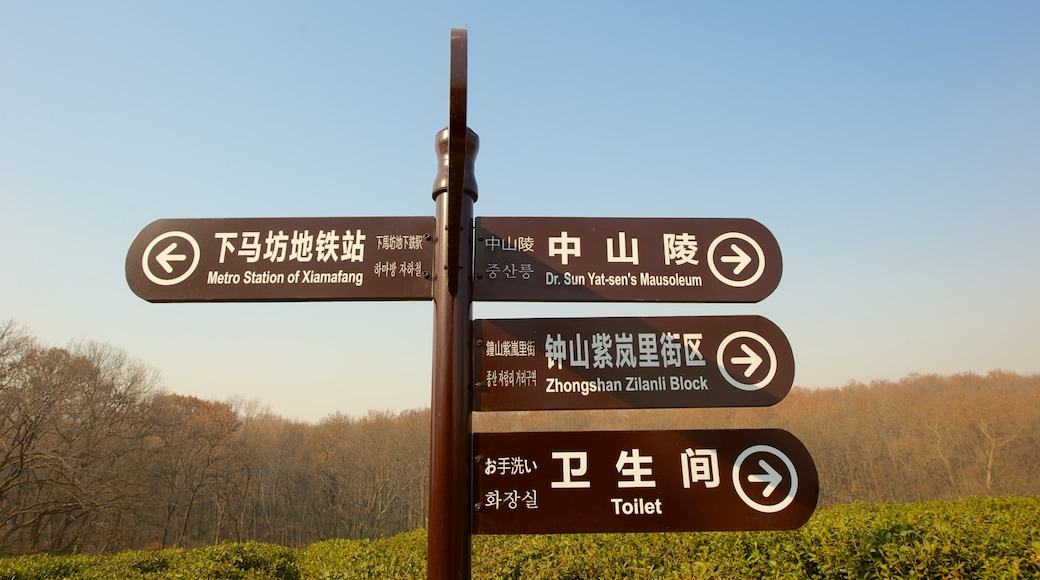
x=455 y=191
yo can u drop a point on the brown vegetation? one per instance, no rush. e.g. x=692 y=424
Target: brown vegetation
x=95 y=456
x=925 y=437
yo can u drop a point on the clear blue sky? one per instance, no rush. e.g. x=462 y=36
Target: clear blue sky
x=892 y=148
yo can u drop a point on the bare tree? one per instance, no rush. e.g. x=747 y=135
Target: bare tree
x=70 y=420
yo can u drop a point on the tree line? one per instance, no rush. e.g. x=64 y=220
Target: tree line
x=96 y=456
x=922 y=438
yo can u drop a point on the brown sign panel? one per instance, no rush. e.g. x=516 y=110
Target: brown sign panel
x=624 y=259
x=618 y=363
x=642 y=481
x=283 y=259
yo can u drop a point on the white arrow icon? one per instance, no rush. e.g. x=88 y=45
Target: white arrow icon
x=741 y=259
x=738 y=257
x=752 y=360
x=771 y=478
x=166 y=256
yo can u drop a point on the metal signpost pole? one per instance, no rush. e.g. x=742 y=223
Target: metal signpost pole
x=448 y=544
x=646 y=481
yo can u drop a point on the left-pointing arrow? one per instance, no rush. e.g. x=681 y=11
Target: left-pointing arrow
x=771 y=478
x=166 y=256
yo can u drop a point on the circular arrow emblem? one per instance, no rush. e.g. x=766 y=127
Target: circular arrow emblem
x=731 y=263
x=743 y=356
x=769 y=482
x=173 y=251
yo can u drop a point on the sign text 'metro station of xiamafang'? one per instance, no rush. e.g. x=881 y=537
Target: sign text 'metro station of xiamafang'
x=524 y=483
x=282 y=259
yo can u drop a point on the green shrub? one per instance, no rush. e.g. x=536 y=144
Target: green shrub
x=976 y=538
x=40 y=567
x=246 y=561
x=400 y=556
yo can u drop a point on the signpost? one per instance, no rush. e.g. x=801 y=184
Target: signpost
x=448 y=542
x=624 y=259
x=623 y=481
x=642 y=481
x=617 y=363
x=283 y=259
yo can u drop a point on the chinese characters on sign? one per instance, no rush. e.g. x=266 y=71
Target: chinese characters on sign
x=642 y=481
x=282 y=259
x=655 y=362
x=624 y=259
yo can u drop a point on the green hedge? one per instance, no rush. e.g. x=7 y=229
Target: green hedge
x=976 y=538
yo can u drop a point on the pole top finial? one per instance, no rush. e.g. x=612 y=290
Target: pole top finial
x=469 y=180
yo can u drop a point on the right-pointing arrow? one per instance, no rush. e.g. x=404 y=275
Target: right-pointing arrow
x=740 y=258
x=752 y=360
x=771 y=478
x=166 y=256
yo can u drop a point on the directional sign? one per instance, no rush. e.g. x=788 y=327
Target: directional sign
x=624 y=259
x=609 y=363
x=642 y=481
x=283 y=259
